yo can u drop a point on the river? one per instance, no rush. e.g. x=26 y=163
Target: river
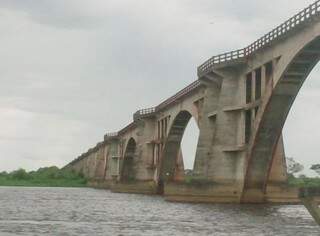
x=85 y=211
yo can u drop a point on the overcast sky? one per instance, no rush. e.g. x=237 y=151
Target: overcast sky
x=72 y=70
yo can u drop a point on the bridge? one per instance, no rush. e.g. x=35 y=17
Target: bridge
x=240 y=102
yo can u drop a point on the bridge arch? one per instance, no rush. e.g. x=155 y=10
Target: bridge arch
x=128 y=165
x=292 y=69
x=172 y=146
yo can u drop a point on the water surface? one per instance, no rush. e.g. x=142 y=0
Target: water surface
x=84 y=211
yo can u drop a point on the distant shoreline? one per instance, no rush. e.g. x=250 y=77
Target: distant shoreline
x=43 y=177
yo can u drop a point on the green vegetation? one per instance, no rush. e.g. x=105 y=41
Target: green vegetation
x=43 y=177
x=303 y=181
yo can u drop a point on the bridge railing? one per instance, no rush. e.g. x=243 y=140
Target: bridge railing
x=282 y=30
x=144 y=113
x=111 y=135
x=151 y=111
x=179 y=95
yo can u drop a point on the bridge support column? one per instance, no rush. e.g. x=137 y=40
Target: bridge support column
x=313 y=208
x=310 y=199
x=141 y=166
x=220 y=156
x=207 y=127
x=275 y=189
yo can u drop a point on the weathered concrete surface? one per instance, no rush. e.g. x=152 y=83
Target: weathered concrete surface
x=240 y=103
x=205 y=193
x=310 y=199
x=100 y=184
x=143 y=187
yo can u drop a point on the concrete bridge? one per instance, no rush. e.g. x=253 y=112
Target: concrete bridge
x=240 y=102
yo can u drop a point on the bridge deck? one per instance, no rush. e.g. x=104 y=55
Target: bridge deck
x=308 y=14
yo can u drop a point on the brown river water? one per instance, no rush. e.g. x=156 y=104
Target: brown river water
x=84 y=211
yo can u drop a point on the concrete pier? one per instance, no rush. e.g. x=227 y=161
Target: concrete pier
x=310 y=199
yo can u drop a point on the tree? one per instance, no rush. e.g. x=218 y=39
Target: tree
x=302 y=176
x=316 y=168
x=293 y=166
x=20 y=174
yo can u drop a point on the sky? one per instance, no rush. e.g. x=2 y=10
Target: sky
x=72 y=70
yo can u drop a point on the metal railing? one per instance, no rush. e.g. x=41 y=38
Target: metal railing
x=306 y=15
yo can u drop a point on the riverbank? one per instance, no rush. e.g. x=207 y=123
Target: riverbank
x=43 y=177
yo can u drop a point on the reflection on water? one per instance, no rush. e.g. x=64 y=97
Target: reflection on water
x=82 y=211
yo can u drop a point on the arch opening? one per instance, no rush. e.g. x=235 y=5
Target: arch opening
x=300 y=130
x=189 y=145
x=128 y=167
x=179 y=149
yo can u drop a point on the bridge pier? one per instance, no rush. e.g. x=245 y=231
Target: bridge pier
x=310 y=199
x=137 y=187
x=201 y=193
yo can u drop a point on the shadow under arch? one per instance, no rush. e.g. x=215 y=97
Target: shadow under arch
x=128 y=166
x=172 y=148
x=273 y=113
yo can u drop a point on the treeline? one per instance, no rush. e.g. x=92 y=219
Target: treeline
x=299 y=180
x=43 y=177
x=303 y=181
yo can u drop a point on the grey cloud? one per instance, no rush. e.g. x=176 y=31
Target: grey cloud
x=56 y=13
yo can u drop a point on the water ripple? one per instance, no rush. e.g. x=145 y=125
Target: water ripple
x=83 y=211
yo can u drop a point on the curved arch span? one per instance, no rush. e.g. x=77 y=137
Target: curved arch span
x=128 y=166
x=273 y=113
x=171 y=165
